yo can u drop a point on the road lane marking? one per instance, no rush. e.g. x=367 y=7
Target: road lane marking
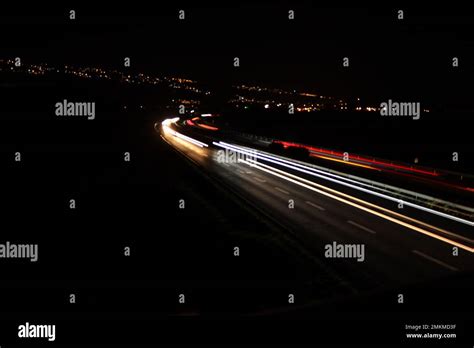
x=432 y=259
x=315 y=205
x=258 y=179
x=240 y=171
x=361 y=226
x=313 y=172
x=289 y=177
x=282 y=191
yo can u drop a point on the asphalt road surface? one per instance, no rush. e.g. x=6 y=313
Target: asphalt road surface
x=398 y=246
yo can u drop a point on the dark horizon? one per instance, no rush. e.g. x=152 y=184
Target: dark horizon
x=388 y=57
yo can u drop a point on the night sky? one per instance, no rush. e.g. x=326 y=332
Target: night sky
x=409 y=59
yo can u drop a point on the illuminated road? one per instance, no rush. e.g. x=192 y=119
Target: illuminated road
x=401 y=245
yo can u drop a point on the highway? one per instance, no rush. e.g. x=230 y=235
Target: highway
x=401 y=245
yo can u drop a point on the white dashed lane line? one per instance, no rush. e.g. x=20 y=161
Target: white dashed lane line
x=282 y=191
x=361 y=227
x=260 y=180
x=315 y=205
x=432 y=259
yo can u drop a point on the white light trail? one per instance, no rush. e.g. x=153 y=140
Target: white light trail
x=315 y=172
x=167 y=129
x=287 y=177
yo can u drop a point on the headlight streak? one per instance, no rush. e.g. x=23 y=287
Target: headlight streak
x=314 y=172
x=167 y=129
x=285 y=176
x=368 y=204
